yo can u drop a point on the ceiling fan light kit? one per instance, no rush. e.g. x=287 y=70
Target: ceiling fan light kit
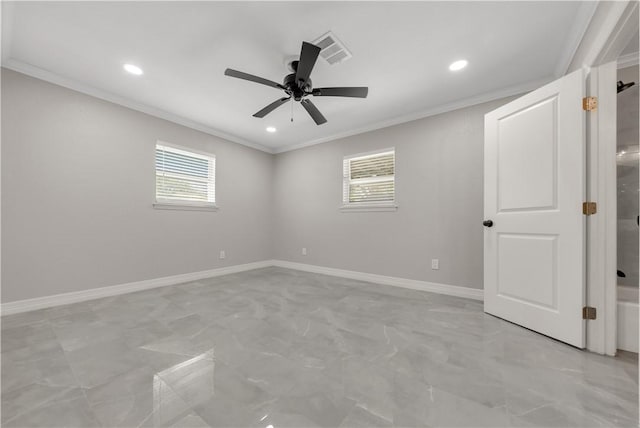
x=298 y=85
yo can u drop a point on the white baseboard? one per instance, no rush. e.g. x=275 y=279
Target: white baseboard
x=19 y=306
x=628 y=326
x=450 y=290
x=10 y=308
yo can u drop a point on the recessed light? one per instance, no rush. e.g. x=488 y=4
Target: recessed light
x=458 y=65
x=133 y=69
x=271 y=129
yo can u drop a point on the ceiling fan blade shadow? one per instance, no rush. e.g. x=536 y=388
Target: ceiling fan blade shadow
x=250 y=77
x=271 y=107
x=308 y=56
x=315 y=114
x=355 y=92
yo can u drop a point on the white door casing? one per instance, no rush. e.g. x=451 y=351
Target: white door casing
x=534 y=254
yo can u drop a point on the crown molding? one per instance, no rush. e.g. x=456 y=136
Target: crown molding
x=576 y=34
x=467 y=102
x=56 y=79
x=628 y=60
x=611 y=27
x=42 y=74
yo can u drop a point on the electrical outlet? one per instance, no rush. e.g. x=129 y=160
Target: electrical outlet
x=223 y=255
x=304 y=251
x=435 y=264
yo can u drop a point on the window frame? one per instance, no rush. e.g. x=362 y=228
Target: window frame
x=186 y=205
x=376 y=206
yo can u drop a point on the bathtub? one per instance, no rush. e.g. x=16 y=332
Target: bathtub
x=628 y=318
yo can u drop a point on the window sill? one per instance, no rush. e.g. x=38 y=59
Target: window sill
x=184 y=206
x=368 y=208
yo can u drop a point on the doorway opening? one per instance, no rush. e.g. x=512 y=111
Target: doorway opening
x=627 y=198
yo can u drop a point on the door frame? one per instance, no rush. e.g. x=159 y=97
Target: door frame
x=601 y=237
x=611 y=28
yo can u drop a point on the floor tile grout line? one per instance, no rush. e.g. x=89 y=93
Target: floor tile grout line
x=75 y=376
x=49 y=399
x=78 y=386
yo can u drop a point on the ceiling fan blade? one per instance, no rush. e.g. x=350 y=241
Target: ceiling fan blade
x=308 y=56
x=356 y=92
x=271 y=107
x=315 y=114
x=252 y=78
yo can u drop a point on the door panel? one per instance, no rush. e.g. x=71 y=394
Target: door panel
x=527 y=150
x=518 y=278
x=534 y=189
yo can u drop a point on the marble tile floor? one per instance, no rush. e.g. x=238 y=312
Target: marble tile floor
x=282 y=348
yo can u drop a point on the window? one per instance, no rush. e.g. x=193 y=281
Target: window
x=185 y=179
x=369 y=181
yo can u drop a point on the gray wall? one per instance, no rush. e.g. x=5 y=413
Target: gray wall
x=77 y=193
x=78 y=187
x=439 y=191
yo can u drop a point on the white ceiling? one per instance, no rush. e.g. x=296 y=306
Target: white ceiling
x=401 y=51
x=632 y=46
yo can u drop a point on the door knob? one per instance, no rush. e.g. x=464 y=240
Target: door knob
x=487 y=223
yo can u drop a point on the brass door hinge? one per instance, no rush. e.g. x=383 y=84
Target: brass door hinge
x=589 y=103
x=588 y=313
x=589 y=208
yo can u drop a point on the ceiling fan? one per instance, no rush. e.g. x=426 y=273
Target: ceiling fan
x=298 y=86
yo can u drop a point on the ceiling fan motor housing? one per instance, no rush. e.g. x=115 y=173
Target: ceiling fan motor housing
x=296 y=89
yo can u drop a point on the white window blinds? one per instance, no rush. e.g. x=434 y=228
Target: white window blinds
x=369 y=179
x=183 y=176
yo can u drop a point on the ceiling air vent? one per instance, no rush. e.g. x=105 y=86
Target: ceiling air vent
x=332 y=49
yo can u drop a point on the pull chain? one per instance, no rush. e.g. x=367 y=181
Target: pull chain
x=291 y=109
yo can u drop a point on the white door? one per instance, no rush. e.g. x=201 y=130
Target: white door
x=534 y=252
